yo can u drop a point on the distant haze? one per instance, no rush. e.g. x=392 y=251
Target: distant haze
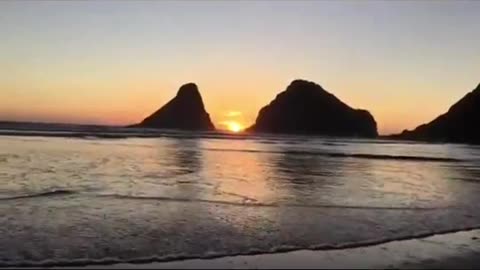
x=112 y=62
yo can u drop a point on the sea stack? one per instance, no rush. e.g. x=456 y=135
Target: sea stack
x=306 y=108
x=461 y=124
x=185 y=111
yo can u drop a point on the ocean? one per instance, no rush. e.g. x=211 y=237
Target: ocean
x=74 y=196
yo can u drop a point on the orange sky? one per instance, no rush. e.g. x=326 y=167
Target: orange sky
x=115 y=63
x=121 y=104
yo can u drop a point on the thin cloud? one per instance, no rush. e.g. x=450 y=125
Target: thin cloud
x=233 y=114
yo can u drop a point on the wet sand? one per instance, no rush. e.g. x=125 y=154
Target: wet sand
x=128 y=203
x=454 y=250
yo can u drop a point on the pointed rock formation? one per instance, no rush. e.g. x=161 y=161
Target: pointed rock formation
x=186 y=111
x=306 y=108
x=460 y=124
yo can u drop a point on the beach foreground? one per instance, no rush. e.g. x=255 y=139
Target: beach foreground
x=446 y=251
x=95 y=201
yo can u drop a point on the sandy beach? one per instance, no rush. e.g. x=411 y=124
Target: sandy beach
x=177 y=203
x=454 y=250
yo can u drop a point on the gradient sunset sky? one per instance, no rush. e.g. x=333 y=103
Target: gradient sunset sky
x=116 y=62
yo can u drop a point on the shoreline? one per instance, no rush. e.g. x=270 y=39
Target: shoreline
x=444 y=251
x=441 y=251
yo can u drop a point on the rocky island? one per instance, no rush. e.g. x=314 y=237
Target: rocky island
x=460 y=124
x=185 y=111
x=306 y=108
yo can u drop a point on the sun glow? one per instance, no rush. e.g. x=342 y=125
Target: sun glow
x=233 y=126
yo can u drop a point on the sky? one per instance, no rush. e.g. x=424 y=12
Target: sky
x=115 y=62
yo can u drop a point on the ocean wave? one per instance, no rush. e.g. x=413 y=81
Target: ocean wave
x=117 y=132
x=341 y=155
x=101 y=136
x=247 y=202
x=122 y=134
x=213 y=255
x=58 y=192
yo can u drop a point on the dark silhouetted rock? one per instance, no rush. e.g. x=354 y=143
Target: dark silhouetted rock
x=306 y=108
x=460 y=124
x=186 y=111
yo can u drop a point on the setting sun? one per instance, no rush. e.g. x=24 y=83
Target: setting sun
x=233 y=126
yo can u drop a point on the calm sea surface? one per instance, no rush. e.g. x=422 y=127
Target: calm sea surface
x=86 y=199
